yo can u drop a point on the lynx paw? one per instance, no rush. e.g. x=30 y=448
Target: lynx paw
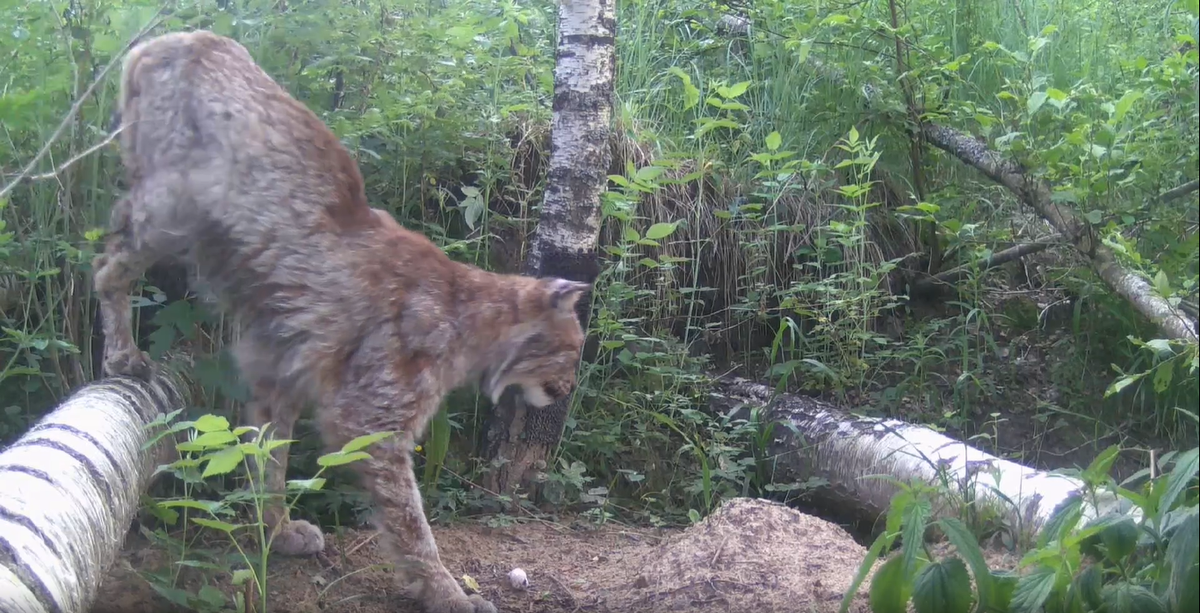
x=298 y=538
x=471 y=604
x=130 y=362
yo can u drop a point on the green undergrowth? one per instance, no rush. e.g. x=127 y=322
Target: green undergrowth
x=763 y=217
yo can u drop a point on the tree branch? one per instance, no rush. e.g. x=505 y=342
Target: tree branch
x=1036 y=194
x=949 y=277
x=1179 y=192
x=24 y=174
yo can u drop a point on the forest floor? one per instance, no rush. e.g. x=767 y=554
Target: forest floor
x=748 y=556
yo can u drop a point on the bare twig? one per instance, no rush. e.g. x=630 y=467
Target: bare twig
x=24 y=174
x=71 y=162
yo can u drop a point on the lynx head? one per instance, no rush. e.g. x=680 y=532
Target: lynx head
x=541 y=352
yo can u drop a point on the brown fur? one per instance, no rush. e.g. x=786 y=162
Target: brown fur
x=338 y=305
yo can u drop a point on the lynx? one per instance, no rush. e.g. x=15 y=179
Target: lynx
x=338 y=305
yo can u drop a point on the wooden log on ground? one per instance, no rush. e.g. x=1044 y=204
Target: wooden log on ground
x=71 y=488
x=823 y=441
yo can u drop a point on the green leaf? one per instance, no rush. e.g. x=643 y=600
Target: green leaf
x=1187 y=465
x=967 y=546
x=1183 y=553
x=1125 y=104
x=1122 y=383
x=306 y=485
x=211 y=423
x=241 y=576
x=1162 y=283
x=1120 y=539
x=1036 y=100
x=943 y=587
x=223 y=461
x=890 y=588
x=1125 y=597
x=774 y=140
x=216 y=438
x=733 y=91
x=913 y=539
x=338 y=458
x=1033 y=590
x=1064 y=519
x=882 y=542
x=1088 y=583
x=691 y=93
x=215 y=524
x=366 y=440
x=660 y=231
x=1098 y=471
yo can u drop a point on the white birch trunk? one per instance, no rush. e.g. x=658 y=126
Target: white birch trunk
x=71 y=488
x=580 y=152
x=830 y=444
x=564 y=245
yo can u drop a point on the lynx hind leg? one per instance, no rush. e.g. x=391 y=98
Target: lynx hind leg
x=113 y=275
x=289 y=537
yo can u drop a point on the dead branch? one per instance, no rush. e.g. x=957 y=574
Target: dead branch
x=1036 y=194
x=1179 y=192
x=24 y=174
x=952 y=276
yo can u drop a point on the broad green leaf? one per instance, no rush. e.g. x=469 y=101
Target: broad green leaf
x=1033 y=590
x=890 y=588
x=774 y=140
x=1064 y=519
x=968 y=547
x=1186 y=467
x=733 y=91
x=1098 y=471
x=1123 y=597
x=943 y=587
x=211 y=423
x=660 y=231
x=364 y=441
x=1183 y=554
x=1125 y=104
x=216 y=438
x=1088 y=583
x=223 y=461
x=1122 y=383
x=339 y=458
x=913 y=540
x=1120 y=539
x=1036 y=100
x=307 y=485
x=882 y=542
x=241 y=576
x=215 y=524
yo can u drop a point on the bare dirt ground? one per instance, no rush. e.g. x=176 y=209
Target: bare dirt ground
x=748 y=556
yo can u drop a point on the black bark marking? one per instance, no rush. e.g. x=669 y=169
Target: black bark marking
x=8 y=558
x=94 y=473
x=28 y=524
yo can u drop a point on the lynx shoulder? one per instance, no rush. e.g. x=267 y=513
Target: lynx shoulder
x=338 y=305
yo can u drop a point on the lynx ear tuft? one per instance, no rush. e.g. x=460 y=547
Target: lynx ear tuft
x=564 y=294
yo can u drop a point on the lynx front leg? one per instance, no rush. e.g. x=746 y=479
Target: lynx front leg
x=291 y=537
x=113 y=275
x=401 y=518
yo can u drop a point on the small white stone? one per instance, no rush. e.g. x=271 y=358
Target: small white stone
x=518 y=579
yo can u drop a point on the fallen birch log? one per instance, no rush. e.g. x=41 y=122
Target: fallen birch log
x=71 y=488
x=819 y=440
